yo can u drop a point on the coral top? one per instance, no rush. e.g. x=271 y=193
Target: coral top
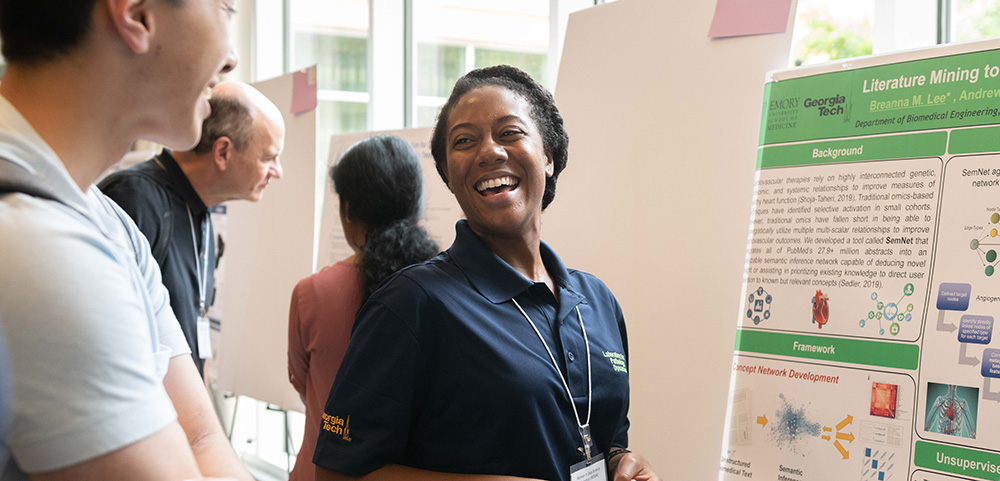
x=319 y=327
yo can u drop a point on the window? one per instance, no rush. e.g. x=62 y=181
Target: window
x=333 y=34
x=834 y=29
x=831 y=29
x=456 y=36
x=974 y=19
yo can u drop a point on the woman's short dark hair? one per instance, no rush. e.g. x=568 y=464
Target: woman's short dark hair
x=381 y=180
x=543 y=111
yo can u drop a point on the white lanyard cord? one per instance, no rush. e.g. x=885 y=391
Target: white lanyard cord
x=584 y=427
x=202 y=273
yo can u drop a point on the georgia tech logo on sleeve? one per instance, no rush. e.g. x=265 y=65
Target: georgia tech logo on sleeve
x=337 y=425
x=617 y=360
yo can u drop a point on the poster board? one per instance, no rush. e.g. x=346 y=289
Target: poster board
x=441 y=210
x=655 y=200
x=865 y=345
x=268 y=248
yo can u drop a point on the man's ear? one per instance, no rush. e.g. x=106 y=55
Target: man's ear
x=133 y=21
x=222 y=151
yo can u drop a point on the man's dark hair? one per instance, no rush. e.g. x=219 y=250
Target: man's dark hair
x=543 y=112
x=37 y=31
x=231 y=118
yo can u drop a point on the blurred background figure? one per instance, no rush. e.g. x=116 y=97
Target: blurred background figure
x=168 y=197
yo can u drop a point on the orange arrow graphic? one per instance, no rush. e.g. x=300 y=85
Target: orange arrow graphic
x=762 y=420
x=843 y=452
x=845 y=422
x=849 y=437
x=826 y=429
x=825 y=437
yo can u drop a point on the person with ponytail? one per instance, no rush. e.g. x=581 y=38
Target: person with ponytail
x=380 y=187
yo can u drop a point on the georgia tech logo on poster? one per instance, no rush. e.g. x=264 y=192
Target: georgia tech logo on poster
x=337 y=425
x=828 y=105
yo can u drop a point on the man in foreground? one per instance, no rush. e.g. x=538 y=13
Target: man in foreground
x=104 y=388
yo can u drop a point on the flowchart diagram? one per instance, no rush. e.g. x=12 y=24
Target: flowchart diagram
x=960 y=364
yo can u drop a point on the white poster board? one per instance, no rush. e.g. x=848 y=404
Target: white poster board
x=654 y=201
x=268 y=248
x=865 y=342
x=441 y=210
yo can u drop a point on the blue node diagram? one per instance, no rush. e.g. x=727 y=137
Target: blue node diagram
x=986 y=245
x=759 y=308
x=891 y=312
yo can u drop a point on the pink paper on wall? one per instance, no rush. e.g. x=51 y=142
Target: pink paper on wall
x=304 y=90
x=749 y=17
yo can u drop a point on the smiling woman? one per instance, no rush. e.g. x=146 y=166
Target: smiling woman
x=493 y=335
x=497 y=166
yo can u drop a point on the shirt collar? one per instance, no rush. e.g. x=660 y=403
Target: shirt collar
x=178 y=181
x=20 y=144
x=496 y=280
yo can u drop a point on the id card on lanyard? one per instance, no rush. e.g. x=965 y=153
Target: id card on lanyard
x=204 y=328
x=593 y=468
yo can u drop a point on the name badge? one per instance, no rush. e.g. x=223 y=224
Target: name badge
x=204 y=338
x=597 y=470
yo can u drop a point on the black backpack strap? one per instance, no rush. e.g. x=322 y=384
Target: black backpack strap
x=161 y=243
x=163 y=237
x=15 y=178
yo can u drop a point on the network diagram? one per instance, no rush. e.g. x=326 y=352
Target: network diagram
x=759 y=308
x=892 y=312
x=985 y=245
x=792 y=426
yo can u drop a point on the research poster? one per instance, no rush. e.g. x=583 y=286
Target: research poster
x=866 y=345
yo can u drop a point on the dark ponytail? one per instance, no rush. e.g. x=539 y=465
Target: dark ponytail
x=381 y=181
x=392 y=248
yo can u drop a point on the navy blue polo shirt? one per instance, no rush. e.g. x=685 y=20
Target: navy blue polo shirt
x=444 y=373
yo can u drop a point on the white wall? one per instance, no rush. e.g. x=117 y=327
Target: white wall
x=655 y=201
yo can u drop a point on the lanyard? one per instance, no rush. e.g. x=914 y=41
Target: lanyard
x=200 y=258
x=583 y=427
